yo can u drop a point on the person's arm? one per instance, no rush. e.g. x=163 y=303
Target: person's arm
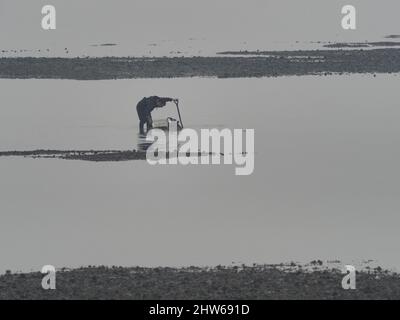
x=161 y=102
x=165 y=100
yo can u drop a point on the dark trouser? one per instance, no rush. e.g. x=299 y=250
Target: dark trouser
x=144 y=114
x=145 y=120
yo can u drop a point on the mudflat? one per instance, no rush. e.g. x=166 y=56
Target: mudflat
x=247 y=282
x=225 y=65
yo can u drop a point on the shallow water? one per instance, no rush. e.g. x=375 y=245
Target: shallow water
x=326 y=181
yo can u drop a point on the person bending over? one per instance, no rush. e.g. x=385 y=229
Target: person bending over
x=146 y=106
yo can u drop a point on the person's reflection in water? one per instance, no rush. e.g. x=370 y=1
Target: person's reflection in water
x=143 y=143
x=145 y=140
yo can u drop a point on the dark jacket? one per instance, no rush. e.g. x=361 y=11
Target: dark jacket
x=147 y=105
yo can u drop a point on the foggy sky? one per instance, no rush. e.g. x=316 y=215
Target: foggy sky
x=231 y=21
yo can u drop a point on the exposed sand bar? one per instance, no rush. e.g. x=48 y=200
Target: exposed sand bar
x=86 y=155
x=257 y=282
x=237 y=64
x=91 y=155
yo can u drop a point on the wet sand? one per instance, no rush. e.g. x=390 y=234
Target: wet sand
x=88 y=155
x=363 y=44
x=237 y=64
x=262 y=282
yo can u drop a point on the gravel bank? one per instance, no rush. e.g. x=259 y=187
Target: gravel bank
x=237 y=64
x=256 y=282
